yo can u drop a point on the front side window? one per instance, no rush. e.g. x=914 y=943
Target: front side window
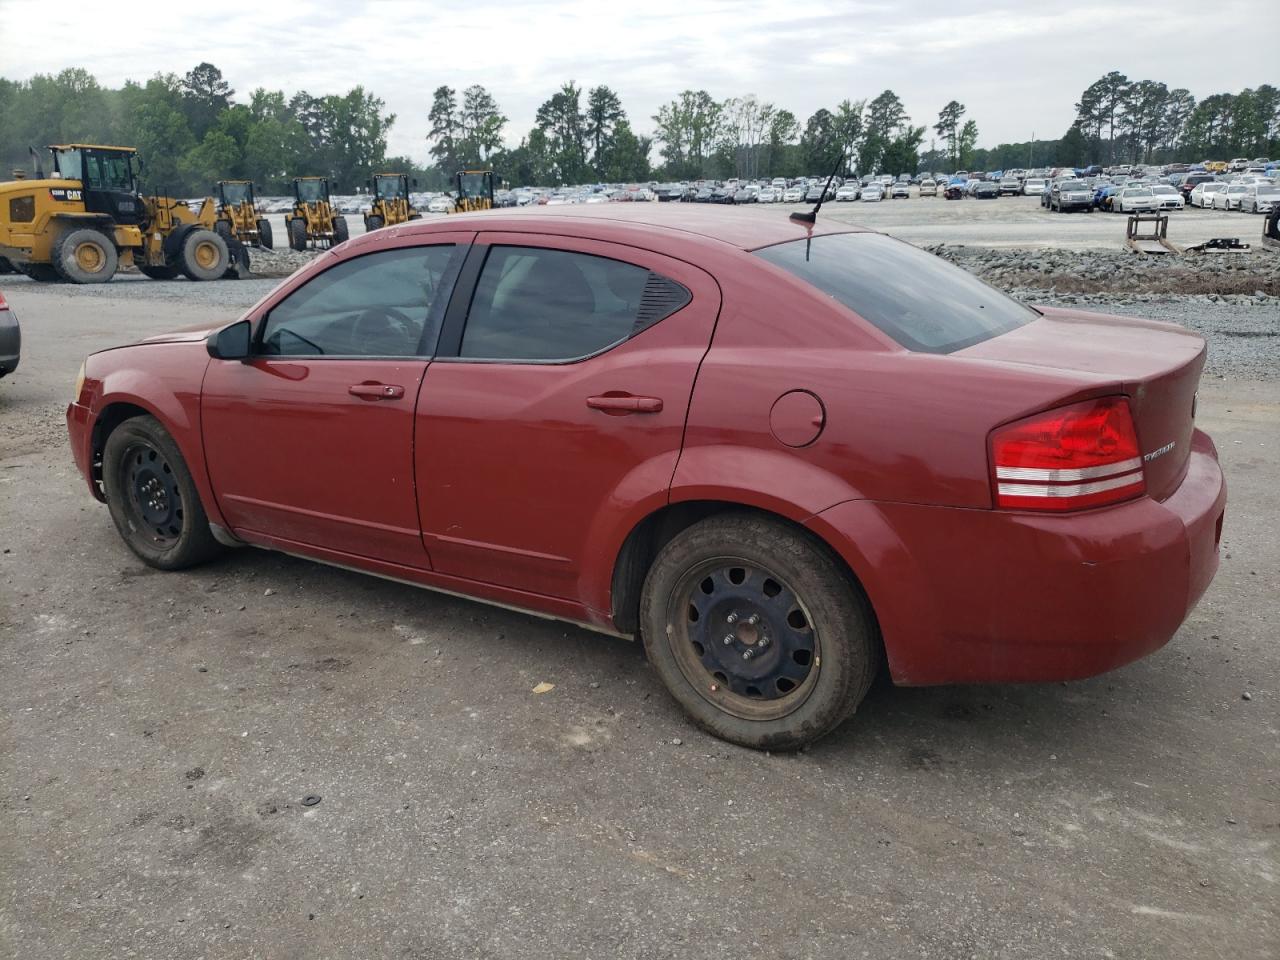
x=533 y=303
x=921 y=301
x=385 y=304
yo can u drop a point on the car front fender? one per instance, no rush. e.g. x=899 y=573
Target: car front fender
x=167 y=388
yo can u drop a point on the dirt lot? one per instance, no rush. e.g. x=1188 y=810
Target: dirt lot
x=160 y=732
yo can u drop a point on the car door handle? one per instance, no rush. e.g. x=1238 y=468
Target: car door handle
x=625 y=403
x=376 y=391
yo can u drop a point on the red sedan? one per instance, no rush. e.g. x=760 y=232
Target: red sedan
x=777 y=453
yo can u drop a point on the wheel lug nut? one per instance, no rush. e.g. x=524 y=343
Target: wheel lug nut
x=732 y=618
x=728 y=639
x=747 y=654
x=764 y=642
x=753 y=619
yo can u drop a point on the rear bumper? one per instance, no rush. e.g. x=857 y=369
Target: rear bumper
x=985 y=596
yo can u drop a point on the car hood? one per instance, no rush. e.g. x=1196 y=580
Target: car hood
x=185 y=335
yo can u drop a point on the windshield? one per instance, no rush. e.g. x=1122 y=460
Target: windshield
x=1137 y=192
x=235 y=192
x=918 y=299
x=311 y=191
x=1073 y=185
x=473 y=185
x=389 y=188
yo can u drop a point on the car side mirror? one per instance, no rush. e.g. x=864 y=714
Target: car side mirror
x=230 y=343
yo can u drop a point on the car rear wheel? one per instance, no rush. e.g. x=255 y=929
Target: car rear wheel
x=758 y=632
x=152 y=498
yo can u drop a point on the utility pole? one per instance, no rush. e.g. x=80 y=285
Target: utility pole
x=1031 y=152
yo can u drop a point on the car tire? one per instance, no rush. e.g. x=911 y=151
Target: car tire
x=153 y=501
x=815 y=645
x=373 y=223
x=265 y=239
x=204 y=255
x=85 y=255
x=340 y=232
x=223 y=229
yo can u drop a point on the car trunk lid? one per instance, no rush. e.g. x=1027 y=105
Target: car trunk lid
x=1156 y=365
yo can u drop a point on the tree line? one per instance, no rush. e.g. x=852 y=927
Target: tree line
x=191 y=130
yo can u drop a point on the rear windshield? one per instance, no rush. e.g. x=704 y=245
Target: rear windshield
x=921 y=301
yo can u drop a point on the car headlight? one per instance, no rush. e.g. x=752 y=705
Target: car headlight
x=79 y=383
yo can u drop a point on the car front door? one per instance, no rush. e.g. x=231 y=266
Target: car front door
x=555 y=405
x=309 y=442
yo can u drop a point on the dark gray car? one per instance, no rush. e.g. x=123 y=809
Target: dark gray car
x=10 y=338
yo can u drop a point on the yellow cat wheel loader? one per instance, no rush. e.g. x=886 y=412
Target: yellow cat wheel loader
x=390 y=201
x=474 y=191
x=88 y=219
x=238 y=214
x=313 y=220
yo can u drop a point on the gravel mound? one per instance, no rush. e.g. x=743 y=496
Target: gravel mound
x=1119 y=273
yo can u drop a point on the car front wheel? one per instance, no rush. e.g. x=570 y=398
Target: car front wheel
x=152 y=498
x=758 y=631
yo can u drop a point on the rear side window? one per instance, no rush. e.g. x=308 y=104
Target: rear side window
x=921 y=301
x=535 y=303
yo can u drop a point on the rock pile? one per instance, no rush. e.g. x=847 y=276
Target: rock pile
x=1120 y=274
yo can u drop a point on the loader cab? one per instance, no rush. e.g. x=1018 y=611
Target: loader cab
x=108 y=176
x=233 y=193
x=391 y=186
x=311 y=190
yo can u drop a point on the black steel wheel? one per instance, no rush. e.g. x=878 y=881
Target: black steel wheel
x=758 y=631
x=152 y=498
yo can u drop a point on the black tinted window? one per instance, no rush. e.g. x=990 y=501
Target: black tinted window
x=533 y=303
x=921 y=301
x=378 y=305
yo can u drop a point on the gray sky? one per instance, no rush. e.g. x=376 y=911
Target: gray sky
x=1018 y=67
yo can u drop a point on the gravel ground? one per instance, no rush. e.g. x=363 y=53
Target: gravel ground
x=161 y=731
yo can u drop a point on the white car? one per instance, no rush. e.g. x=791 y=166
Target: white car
x=1135 y=200
x=779 y=183
x=928 y=188
x=768 y=195
x=873 y=193
x=1169 y=197
x=1229 y=199
x=1202 y=193
x=1033 y=188
x=900 y=191
x=439 y=204
x=793 y=195
x=848 y=192
x=1261 y=197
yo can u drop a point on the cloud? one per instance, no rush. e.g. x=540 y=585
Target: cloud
x=1017 y=67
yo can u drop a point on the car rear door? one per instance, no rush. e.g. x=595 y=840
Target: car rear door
x=556 y=404
x=309 y=442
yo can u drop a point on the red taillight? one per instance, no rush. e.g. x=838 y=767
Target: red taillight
x=3 y=304
x=1082 y=455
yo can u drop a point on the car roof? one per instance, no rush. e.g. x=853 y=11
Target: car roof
x=620 y=222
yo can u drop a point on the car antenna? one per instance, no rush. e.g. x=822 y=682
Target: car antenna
x=812 y=215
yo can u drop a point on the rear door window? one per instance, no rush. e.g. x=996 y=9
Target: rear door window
x=542 y=304
x=918 y=299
